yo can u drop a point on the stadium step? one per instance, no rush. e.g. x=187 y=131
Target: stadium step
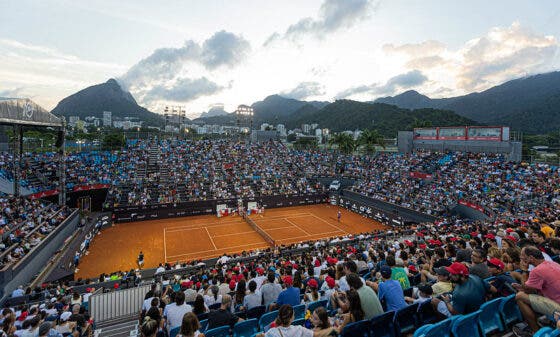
x=117 y=328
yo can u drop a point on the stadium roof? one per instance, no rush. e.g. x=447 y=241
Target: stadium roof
x=24 y=111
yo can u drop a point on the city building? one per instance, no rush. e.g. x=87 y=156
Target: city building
x=107 y=118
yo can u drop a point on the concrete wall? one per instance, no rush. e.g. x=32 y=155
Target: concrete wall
x=25 y=270
x=469 y=213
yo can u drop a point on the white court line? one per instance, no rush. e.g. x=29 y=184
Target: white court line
x=210 y=237
x=279 y=217
x=213 y=250
x=185 y=229
x=164 y=246
x=251 y=246
x=222 y=235
x=307 y=236
x=207 y=225
x=345 y=231
x=273 y=229
x=301 y=229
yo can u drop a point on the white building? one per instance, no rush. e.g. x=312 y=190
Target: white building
x=72 y=120
x=264 y=126
x=281 y=128
x=107 y=118
x=306 y=128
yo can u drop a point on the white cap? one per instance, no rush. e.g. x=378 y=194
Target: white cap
x=65 y=315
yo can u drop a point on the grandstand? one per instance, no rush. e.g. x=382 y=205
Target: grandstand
x=433 y=209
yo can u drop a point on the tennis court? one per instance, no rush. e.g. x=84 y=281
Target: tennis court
x=201 y=237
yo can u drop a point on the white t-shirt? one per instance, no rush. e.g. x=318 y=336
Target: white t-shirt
x=175 y=315
x=290 y=331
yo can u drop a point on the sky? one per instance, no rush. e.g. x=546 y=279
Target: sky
x=199 y=53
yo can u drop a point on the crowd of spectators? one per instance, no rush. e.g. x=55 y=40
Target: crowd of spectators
x=24 y=223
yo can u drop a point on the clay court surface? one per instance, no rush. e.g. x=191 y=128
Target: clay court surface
x=200 y=237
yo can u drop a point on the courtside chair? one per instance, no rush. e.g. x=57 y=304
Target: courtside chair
x=406 y=319
x=509 y=310
x=314 y=305
x=245 y=328
x=222 y=331
x=356 y=329
x=382 y=325
x=299 y=311
x=490 y=320
x=173 y=332
x=266 y=319
x=256 y=312
x=467 y=325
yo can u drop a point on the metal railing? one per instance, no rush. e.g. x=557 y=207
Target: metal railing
x=116 y=304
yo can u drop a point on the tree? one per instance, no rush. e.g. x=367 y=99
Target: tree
x=114 y=140
x=370 y=138
x=345 y=142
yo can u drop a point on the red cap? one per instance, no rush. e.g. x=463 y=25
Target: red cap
x=509 y=230
x=412 y=268
x=490 y=236
x=116 y=286
x=457 y=268
x=288 y=280
x=198 y=284
x=497 y=263
x=330 y=281
x=422 y=246
x=312 y=283
x=512 y=238
x=453 y=239
x=232 y=284
x=408 y=243
x=317 y=263
x=260 y=271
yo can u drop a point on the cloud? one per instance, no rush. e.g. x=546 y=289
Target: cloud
x=400 y=82
x=12 y=93
x=183 y=90
x=224 y=48
x=502 y=54
x=304 y=90
x=429 y=47
x=334 y=15
x=182 y=74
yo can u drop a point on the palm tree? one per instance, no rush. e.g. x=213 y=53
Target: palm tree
x=345 y=142
x=370 y=138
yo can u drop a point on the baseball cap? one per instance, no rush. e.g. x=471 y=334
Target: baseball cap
x=288 y=280
x=457 y=268
x=386 y=271
x=442 y=271
x=426 y=289
x=496 y=263
x=44 y=328
x=65 y=315
x=490 y=236
x=312 y=283
x=330 y=282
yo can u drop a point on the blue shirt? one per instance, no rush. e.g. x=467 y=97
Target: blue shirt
x=391 y=291
x=289 y=296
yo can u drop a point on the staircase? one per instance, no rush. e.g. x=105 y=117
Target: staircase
x=123 y=327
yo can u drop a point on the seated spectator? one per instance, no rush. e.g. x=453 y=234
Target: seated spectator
x=469 y=293
x=149 y=328
x=190 y=326
x=390 y=291
x=199 y=307
x=371 y=306
x=540 y=291
x=443 y=284
x=479 y=266
x=212 y=296
x=270 y=289
x=502 y=281
x=254 y=298
x=312 y=293
x=321 y=324
x=351 y=306
x=174 y=314
x=222 y=316
x=290 y=295
x=283 y=326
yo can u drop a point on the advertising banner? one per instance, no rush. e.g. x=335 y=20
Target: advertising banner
x=485 y=133
x=459 y=133
x=428 y=134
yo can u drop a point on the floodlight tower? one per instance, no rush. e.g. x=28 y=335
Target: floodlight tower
x=244 y=118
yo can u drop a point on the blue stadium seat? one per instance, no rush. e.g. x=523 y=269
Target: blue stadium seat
x=408 y=291
x=426 y=313
x=245 y=328
x=509 y=310
x=356 y=329
x=490 y=320
x=173 y=332
x=222 y=331
x=441 y=329
x=467 y=325
x=203 y=325
x=256 y=312
x=299 y=321
x=266 y=319
x=406 y=319
x=299 y=311
x=314 y=305
x=543 y=332
x=382 y=325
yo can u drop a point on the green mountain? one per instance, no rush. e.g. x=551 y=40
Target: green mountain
x=386 y=119
x=529 y=104
x=108 y=96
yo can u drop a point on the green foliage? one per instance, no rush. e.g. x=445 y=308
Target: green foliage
x=345 y=142
x=305 y=143
x=291 y=137
x=114 y=141
x=370 y=138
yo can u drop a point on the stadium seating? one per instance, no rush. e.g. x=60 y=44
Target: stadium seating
x=314 y=305
x=509 y=311
x=356 y=329
x=467 y=325
x=406 y=319
x=222 y=331
x=245 y=328
x=266 y=319
x=490 y=320
x=299 y=311
x=382 y=325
